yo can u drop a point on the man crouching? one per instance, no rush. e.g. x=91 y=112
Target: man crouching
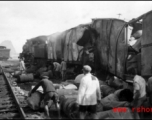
x=49 y=94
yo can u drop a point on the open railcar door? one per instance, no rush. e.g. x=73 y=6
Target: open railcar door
x=146 y=50
x=111 y=45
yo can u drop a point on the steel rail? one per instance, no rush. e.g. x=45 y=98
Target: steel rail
x=16 y=100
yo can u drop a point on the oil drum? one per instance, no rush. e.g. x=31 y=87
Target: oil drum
x=67 y=105
x=26 y=78
x=34 y=100
x=70 y=107
x=62 y=101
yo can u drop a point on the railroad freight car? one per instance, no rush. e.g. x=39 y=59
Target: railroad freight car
x=69 y=44
x=108 y=45
x=120 y=50
x=4 y=53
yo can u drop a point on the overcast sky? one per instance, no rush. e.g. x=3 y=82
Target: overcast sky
x=22 y=20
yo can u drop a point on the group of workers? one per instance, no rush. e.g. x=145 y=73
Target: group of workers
x=58 y=69
x=89 y=92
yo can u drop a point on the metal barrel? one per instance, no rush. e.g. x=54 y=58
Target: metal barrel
x=68 y=106
x=26 y=77
x=62 y=101
x=34 y=100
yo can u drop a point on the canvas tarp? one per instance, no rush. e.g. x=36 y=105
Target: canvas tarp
x=54 y=46
x=64 y=44
x=111 y=50
x=146 y=43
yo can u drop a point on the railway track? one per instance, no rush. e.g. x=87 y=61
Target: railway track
x=10 y=106
x=13 y=105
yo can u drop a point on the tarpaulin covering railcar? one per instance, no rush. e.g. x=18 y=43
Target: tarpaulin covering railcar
x=64 y=44
x=146 y=45
x=111 y=45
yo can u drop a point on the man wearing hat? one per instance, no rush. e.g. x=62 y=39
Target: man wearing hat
x=88 y=94
x=49 y=94
x=139 y=90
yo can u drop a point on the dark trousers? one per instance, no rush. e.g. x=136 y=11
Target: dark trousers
x=86 y=110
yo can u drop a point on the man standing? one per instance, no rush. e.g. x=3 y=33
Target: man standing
x=63 y=69
x=49 y=94
x=89 y=93
x=57 y=69
x=22 y=65
x=139 y=86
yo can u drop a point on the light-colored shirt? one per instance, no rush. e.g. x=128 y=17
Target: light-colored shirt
x=57 y=66
x=63 y=65
x=139 y=85
x=78 y=78
x=89 y=91
x=22 y=65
